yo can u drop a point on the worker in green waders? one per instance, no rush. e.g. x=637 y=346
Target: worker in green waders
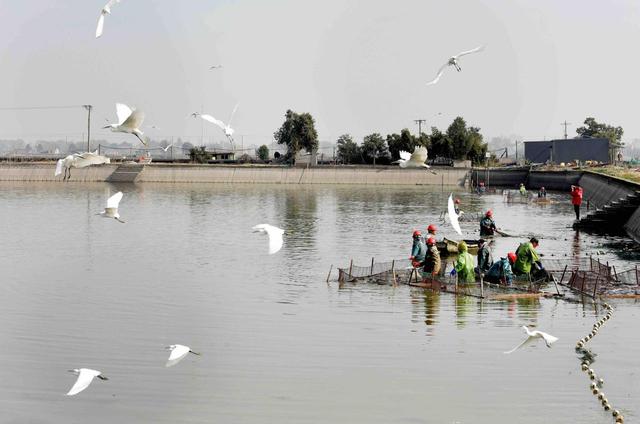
x=528 y=260
x=464 y=265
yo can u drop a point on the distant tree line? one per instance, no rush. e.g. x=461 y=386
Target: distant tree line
x=458 y=142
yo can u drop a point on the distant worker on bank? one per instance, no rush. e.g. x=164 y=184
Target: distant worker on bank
x=501 y=272
x=523 y=190
x=431 y=263
x=485 y=258
x=464 y=265
x=528 y=260
x=542 y=193
x=576 y=199
x=487 y=225
x=418 y=250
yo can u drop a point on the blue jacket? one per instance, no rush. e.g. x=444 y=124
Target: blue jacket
x=501 y=269
x=419 y=248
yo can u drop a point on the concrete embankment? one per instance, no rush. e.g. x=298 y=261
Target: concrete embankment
x=188 y=173
x=599 y=190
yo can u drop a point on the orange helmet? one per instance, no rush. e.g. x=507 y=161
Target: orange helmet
x=431 y=241
x=489 y=213
x=416 y=233
x=512 y=257
x=432 y=228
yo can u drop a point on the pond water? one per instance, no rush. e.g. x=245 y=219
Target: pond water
x=278 y=343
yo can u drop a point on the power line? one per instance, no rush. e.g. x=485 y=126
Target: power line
x=41 y=107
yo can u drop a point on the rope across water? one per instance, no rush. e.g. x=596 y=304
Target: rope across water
x=587 y=360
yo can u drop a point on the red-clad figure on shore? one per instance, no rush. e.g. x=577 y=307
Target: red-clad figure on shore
x=576 y=199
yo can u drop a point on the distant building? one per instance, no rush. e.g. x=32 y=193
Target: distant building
x=569 y=150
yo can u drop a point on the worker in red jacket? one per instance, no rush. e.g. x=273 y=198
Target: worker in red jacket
x=576 y=199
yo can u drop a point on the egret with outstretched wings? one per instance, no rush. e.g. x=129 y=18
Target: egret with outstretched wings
x=85 y=377
x=106 y=10
x=275 y=236
x=453 y=61
x=129 y=121
x=534 y=335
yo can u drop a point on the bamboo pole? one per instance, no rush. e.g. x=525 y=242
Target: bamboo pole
x=329 y=275
x=563 y=271
x=393 y=272
x=350 y=267
x=482 y=285
x=595 y=286
x=371 y=272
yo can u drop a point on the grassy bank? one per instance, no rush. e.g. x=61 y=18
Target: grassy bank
x=629 y=174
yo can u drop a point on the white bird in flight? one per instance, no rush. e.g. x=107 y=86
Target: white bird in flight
x=178 y=353
x=111 y=211
x=275 y=236
x=533 y=335
x=453 y=216
x=85 y=377
x=79 y=160
x=215 y=67
x=106 y=10
x=129 y=121
x=453 y=61
x=228 y=131
x=413 y=160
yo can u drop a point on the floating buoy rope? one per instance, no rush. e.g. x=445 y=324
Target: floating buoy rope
x=588 y=358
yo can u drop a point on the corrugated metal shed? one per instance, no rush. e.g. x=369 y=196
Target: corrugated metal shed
x=569 y=150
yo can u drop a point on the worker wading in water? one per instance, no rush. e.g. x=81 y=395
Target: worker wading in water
x=418 y=250
x=487 y=225
x=464 y=265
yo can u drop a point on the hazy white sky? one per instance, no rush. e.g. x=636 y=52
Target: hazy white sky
x=358 y=66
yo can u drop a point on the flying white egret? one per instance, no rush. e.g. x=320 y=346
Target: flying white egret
x=106 y=10
x=275 y=236
x=178 y=353
x=228 y=131
x=111 y=211
x=85 y=377
x=166 y=148
x=453 y=216
x=453 y=61
x=79 y=160
x=215 y=67
x=413 y=160
x=129 y=121
x=533 y=335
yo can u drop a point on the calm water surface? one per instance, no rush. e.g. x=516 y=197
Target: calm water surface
x=278 y=343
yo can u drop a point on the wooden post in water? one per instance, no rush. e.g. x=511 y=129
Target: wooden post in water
x=482 y=285
x=563 y=271
x=595 y=287
x=371 y=272
x=350 y=267
x=637 y=279
x=393 y=272
x=329 y=275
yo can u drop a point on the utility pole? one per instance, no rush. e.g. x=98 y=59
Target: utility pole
x=516 y=150
x=419 y=122
x=88 y=108
x=564 y=124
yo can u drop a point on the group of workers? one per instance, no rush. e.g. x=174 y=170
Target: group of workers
x=524 y=261
x=425 y=254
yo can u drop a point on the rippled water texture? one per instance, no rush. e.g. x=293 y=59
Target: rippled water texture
x=278 y=344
